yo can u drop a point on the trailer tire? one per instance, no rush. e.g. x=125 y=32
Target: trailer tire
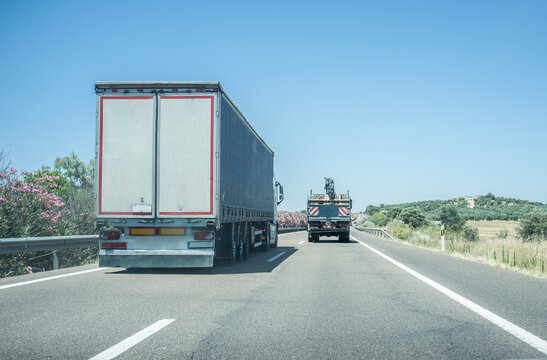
x=343 y=237
x=266 y=245
x=233 y=245
x=240 y=242
x=274 y=245
x=246 y=241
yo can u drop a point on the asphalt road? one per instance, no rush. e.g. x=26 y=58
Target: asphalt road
x=325 y=300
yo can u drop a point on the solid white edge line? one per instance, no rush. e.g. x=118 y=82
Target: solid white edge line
x=2 y=287
x=529 y=338
x=277 y=256
x=131 y=341
x=301 y=242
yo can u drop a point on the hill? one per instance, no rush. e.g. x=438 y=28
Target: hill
x=481 y=207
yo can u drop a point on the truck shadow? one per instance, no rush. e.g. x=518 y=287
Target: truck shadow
x=327 y=241
x=258 y=262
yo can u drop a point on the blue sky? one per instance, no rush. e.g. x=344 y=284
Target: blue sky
x=395 y=100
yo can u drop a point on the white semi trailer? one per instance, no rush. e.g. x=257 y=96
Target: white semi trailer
x=181 y=177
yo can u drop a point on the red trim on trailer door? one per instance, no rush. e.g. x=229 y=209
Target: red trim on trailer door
x=210 y=212
x=101 y=155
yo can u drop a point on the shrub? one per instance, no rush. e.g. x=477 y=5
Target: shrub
x=413 y=217
x=533 y=226
x=367 y=224
x=470 y=233
x=398 y=229
x=291 y=219
x=503 y=234
x=378 y=219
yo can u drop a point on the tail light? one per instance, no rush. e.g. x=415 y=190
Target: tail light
x=110 y=235
x=204 y=235
x=113 y=245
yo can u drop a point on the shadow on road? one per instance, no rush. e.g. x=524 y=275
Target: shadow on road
x=321 y=241
x=256 y=263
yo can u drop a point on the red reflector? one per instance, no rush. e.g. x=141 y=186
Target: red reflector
x=114 y=90
x=209 y=235
x=110 y=235
x=198 y=90
x=174 y=90
x=116 y=245
x=139 y=90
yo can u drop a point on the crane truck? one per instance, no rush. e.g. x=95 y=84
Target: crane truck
x=329 y=214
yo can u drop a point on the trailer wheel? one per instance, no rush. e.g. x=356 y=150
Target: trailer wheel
x=344 y=237
x=240 y=242
x=246 y=241
x=266 y=245
x=233 y=245
x=274 y=245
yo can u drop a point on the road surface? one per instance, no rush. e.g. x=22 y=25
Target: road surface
x=325 y=300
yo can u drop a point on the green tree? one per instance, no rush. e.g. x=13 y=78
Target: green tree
x=78 y=172
x=371 y=210
x=533 y=226
x=413 y=217
x=79 y=197
x=451 y=218
x=393 y=213
x=378 y=219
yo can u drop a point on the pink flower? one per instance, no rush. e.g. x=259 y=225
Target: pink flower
x=1 y=199
x=29 y=269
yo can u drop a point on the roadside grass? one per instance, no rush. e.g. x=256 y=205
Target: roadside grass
x=504 y=251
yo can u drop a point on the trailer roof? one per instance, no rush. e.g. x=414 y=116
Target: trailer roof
x=215 y=85
x=157 y=84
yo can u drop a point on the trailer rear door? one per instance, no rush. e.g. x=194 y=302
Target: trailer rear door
x=185 y=184
x=126 y=156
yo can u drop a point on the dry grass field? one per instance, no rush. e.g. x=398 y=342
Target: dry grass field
x=506 y=251
x=491 y=229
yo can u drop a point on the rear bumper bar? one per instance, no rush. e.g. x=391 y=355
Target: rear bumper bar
x=332 y=231
x=156 y=258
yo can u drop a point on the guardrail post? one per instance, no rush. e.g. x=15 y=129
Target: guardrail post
x=55 y=260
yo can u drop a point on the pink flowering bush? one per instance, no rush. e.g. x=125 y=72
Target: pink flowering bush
x=44 y=203
x=291 y=219
x=31 y=204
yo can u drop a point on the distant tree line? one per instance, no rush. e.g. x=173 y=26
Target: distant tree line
x=486 y=207
x=455 y=212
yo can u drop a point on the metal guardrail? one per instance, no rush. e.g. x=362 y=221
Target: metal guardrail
x=13 y=245
x=377 y=232
x=291 y=229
